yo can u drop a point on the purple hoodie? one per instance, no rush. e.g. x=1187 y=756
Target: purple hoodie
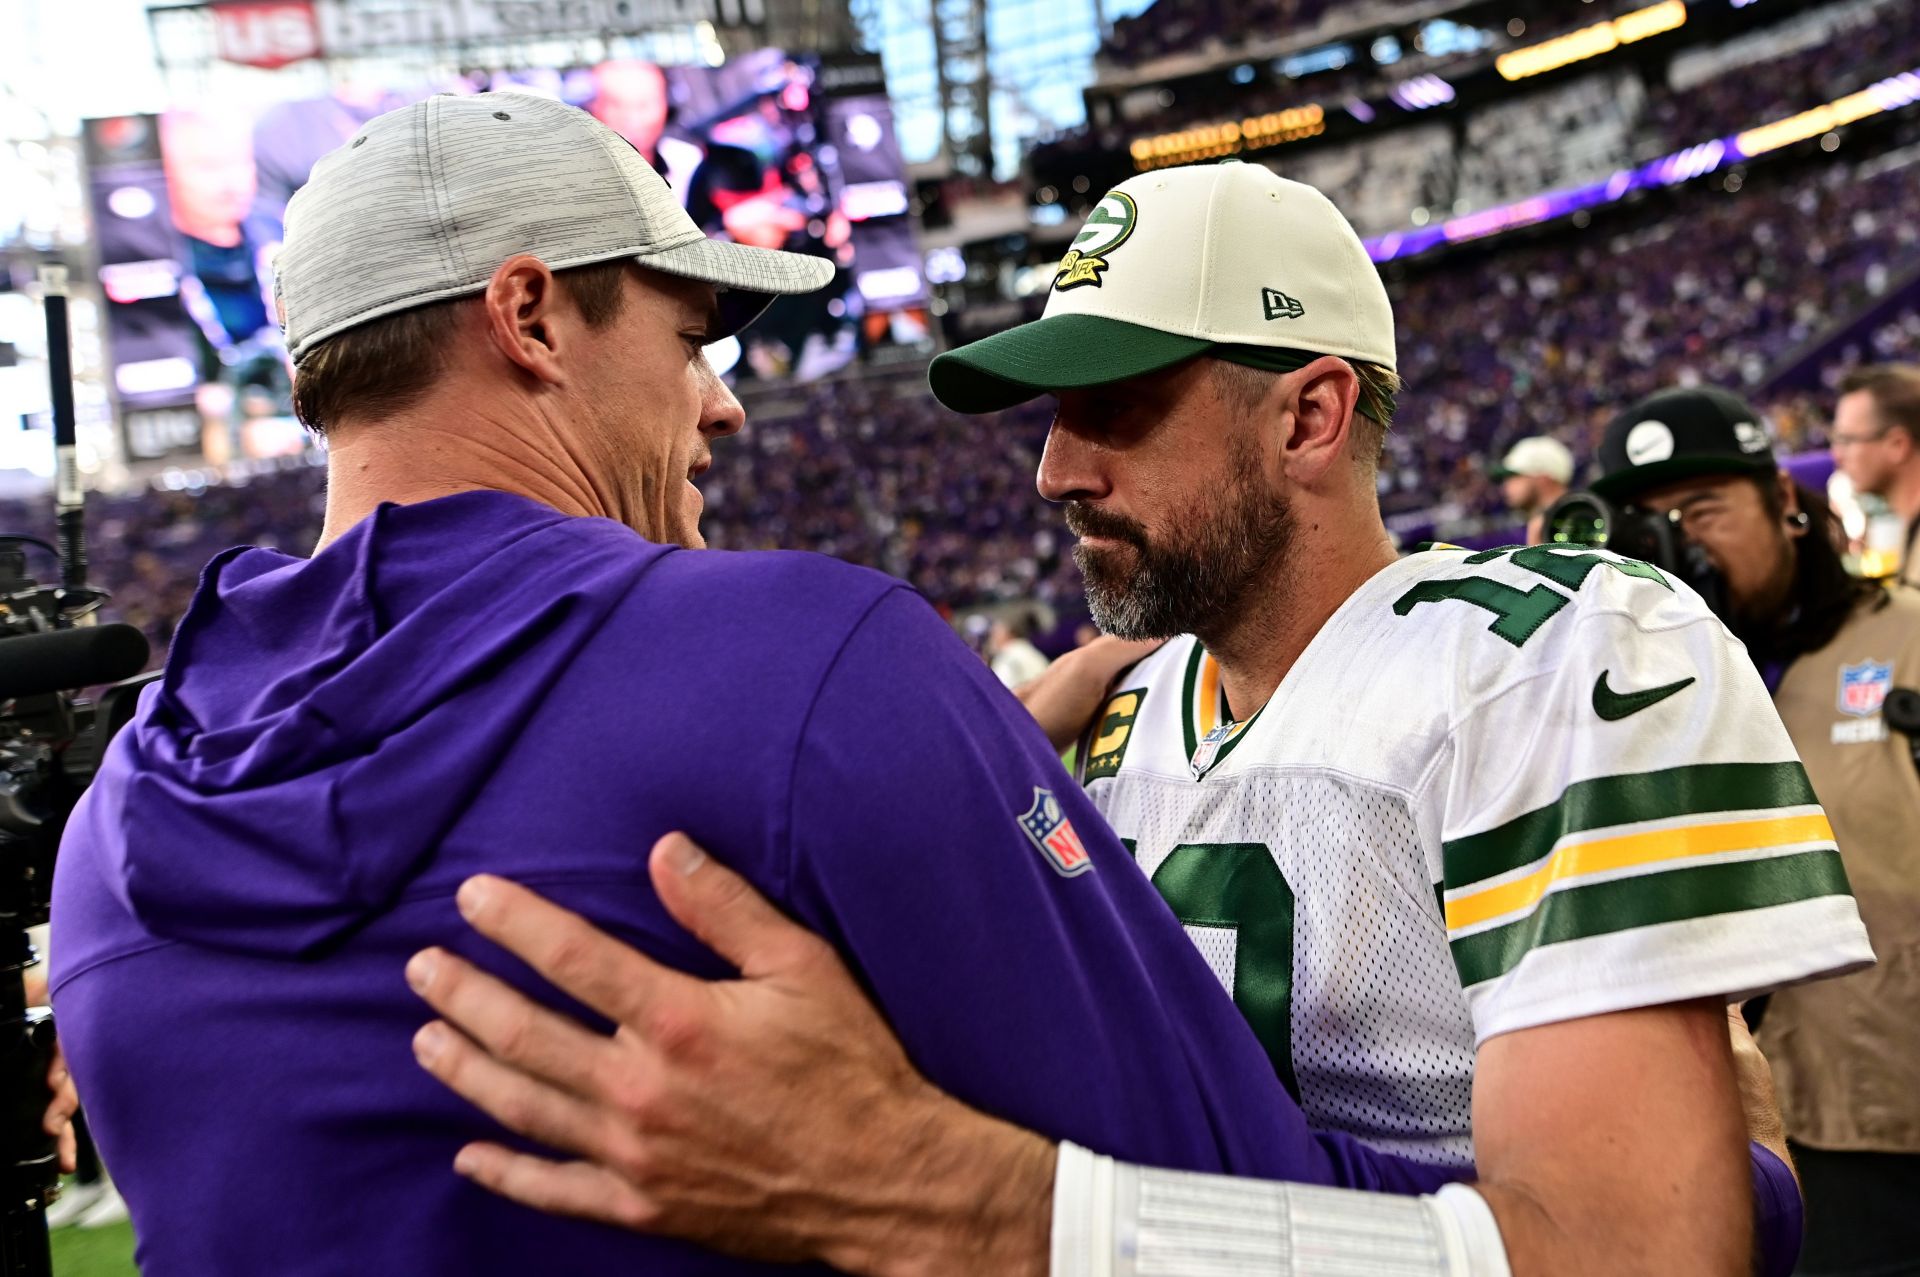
x=481 y=683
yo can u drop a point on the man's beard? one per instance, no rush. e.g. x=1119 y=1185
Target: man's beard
x=1197 y=580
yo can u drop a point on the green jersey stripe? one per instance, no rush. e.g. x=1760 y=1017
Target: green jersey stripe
x=1621 y=800
x=1677 y=895
x=1186 y=698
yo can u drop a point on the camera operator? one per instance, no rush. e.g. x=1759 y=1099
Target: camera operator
x=1763 y=551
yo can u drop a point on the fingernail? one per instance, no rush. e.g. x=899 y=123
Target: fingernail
x=685 y=855
x=429 y=1043
x=465 y=1163
x=420 y=970
x=472 y=897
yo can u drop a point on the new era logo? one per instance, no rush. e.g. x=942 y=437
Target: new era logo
x=1280 y=306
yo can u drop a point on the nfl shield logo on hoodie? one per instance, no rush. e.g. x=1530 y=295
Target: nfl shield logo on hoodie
x=1053 y=834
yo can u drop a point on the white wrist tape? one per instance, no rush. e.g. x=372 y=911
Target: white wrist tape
x=1112 y=1219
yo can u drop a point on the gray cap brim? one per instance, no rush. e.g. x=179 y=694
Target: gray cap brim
x=751 y=276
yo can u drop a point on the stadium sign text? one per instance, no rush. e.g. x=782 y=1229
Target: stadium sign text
x=1230 y=137
x=347 y=29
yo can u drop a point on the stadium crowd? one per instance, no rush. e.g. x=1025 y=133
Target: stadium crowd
x=1551 y=337
x=1777 y=77
x=1703 y=287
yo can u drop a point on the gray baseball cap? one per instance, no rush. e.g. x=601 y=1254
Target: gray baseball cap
x=425 y=203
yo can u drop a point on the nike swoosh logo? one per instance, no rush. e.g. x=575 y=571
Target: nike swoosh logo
x=1613 y=706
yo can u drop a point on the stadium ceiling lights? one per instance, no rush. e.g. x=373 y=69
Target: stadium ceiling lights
x=1422 y=93
x=1213 y=141
x=1591 y=42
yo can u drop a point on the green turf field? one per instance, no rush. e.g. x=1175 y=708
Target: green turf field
x=94 y=1252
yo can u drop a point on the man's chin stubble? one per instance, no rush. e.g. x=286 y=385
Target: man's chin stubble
x=1113 y=594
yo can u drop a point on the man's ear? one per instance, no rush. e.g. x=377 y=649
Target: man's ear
x=1909 y=442
x=1327 y=391
x=529 y=318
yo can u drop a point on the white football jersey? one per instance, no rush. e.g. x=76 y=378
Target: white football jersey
x=1497 y=790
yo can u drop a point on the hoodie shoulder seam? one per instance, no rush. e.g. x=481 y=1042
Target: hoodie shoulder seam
x=806 y=724
x=68 y=977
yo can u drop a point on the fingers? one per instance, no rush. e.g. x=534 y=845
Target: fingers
x=518 y=1102
x=613 y=979
x=725 y=912
x=1737 y=1029
x=63 y=1101
x=57 y=1121
x=559 y=1188
x=511 y=1026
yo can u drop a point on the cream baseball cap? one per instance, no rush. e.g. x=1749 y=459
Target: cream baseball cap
x=1226 y=259
x=425 y=203
x=1538 y=456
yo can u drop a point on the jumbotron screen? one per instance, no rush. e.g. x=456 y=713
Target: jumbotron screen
x=767 y=149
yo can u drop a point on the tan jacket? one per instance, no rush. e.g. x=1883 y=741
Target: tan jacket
x=1846 y=1052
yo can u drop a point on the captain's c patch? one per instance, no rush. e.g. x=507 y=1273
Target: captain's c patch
x=1111 y=732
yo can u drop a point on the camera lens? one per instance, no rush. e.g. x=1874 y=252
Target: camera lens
x=1577 y=519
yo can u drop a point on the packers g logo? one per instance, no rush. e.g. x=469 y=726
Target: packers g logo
x=1105 y=229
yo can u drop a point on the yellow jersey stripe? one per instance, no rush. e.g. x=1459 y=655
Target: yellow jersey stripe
x=1654 y=847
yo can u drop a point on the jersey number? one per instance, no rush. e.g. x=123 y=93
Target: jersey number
x=1519 y=614
x=1237 y=885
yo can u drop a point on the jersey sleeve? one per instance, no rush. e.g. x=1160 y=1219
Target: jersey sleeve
x=1626 y=822
x=1027 y=965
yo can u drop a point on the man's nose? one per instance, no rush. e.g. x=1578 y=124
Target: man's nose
x=1072 y=468
x=721 y=414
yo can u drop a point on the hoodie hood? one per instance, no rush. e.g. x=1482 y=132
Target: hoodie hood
x=323 y=722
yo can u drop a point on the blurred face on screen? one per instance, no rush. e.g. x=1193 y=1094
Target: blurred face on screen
x=630 y=98
x=1162 y=480
x=210 y=173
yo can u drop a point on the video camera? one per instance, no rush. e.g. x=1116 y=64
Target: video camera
x=1588 y=519
x=51 y=743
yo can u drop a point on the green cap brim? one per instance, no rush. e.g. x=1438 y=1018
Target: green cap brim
x=1625 y=485
x=1500 y=474
x=1060 y=352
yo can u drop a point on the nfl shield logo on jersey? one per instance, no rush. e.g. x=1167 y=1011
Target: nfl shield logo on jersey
x=1864 y=687
x=1052 y=833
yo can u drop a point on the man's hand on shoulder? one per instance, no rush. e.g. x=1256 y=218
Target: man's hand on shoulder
x=1064 y=699
x=1758 y=1102
x=774 y=1116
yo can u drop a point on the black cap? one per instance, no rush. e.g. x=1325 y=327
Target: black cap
x=1679 y=434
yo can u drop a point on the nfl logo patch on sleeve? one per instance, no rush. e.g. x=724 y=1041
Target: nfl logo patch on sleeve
x=1048 y=828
